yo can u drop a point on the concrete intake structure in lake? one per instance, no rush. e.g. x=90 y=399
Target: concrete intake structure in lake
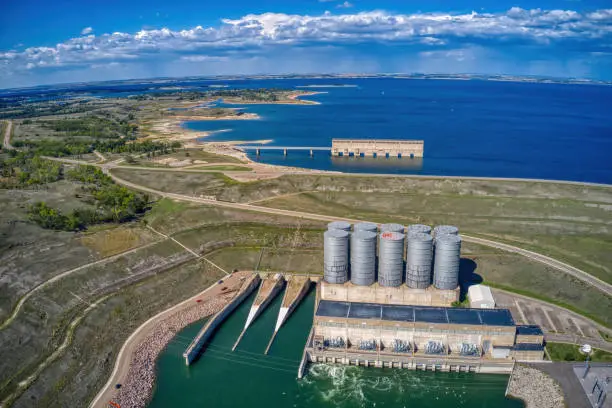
x=353 y=147
x=377 y=148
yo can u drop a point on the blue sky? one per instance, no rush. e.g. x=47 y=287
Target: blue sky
x=44 y=42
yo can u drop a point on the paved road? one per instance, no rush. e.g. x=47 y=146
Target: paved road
x=570 y=270
x=566 y=334
x=577 y=273
x=7 y=135
x=563 y=373
x=413 y=176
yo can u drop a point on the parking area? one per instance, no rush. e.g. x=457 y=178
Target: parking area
x=552 y=319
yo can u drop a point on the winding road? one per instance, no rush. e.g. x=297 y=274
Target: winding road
x=575 y=272
x=122 y=362
x=570 y=270
x=6 y=142
x=46 y=283
x=553 y=263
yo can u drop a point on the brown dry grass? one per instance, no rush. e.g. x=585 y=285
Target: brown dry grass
x=113 y=241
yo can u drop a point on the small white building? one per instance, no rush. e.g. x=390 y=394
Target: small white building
x=481 y=297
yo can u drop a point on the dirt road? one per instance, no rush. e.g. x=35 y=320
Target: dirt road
x=6 y=143
x=573 y=271
x=42 y=285
x=570 y=270
x=577 y=273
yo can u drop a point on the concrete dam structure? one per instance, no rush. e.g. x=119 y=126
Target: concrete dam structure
x=268 y=290
x=270 y=287
x=407 y=317
x=197 y=345
x=297 y=288
x=377 y=148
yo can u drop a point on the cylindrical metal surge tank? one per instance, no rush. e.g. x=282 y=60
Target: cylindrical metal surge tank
x=392 y=228
x=366 y=226
x=447 y=253
x=445 y=230
x=414 y=228
x=339 y=225
x=363 y=258
x=335 y=256
x=391 y=259
x=419 y=254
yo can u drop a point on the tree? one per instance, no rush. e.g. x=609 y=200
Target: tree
x=47 y=217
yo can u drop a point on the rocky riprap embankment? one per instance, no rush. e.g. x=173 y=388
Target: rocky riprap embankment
x=135 y=392
x=534 y=387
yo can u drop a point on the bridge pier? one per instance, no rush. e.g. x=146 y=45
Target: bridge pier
x=285 y=152
x=257 y=152
x=311 y=153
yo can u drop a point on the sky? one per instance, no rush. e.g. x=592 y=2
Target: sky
x=60 y=41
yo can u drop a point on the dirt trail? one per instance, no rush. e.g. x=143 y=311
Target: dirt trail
x=563 y=267
x=46 y=283
x=7 y=135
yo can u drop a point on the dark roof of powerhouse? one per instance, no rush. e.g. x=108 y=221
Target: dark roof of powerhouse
x=424 y=314
x=529 y=330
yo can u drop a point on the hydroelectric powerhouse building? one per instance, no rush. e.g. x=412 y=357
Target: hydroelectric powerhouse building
x=387 y=299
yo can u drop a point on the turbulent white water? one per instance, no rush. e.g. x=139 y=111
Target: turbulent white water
x=357 y=386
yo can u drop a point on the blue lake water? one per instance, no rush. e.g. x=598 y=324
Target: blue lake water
x=248 y=378
x=470 y=128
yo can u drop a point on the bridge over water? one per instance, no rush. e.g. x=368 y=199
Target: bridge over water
x=359 y=148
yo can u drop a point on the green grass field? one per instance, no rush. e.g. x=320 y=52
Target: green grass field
x=571 y=223
x=571 y=352
x=568 y=222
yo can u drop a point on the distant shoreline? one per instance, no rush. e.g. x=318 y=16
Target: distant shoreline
x=482 y=77
x=292 y=99
x=328 y=86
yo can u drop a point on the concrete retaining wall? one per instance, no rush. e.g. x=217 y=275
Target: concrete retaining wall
x=196 y=346
x=402 y=295
x=429 y=363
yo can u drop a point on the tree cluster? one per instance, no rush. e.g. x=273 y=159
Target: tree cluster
x=108 y=202
x=24 y=169
x=93 y=126
x=76 y=147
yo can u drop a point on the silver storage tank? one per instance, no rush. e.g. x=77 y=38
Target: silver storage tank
x=392 y=228
x=365 y=226
x=419 y=228
x=419 y=254
x=391 y=259
x=339 y=225
x=363 y=258
x=447 y=253
x=335 y=256
x=445 y=230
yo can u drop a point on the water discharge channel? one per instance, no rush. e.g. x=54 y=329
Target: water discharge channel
x=247 y=377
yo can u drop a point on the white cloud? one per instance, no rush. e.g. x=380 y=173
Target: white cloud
x=87 y=30
x=203 y=58
x=258 y=34
x=346 y=4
